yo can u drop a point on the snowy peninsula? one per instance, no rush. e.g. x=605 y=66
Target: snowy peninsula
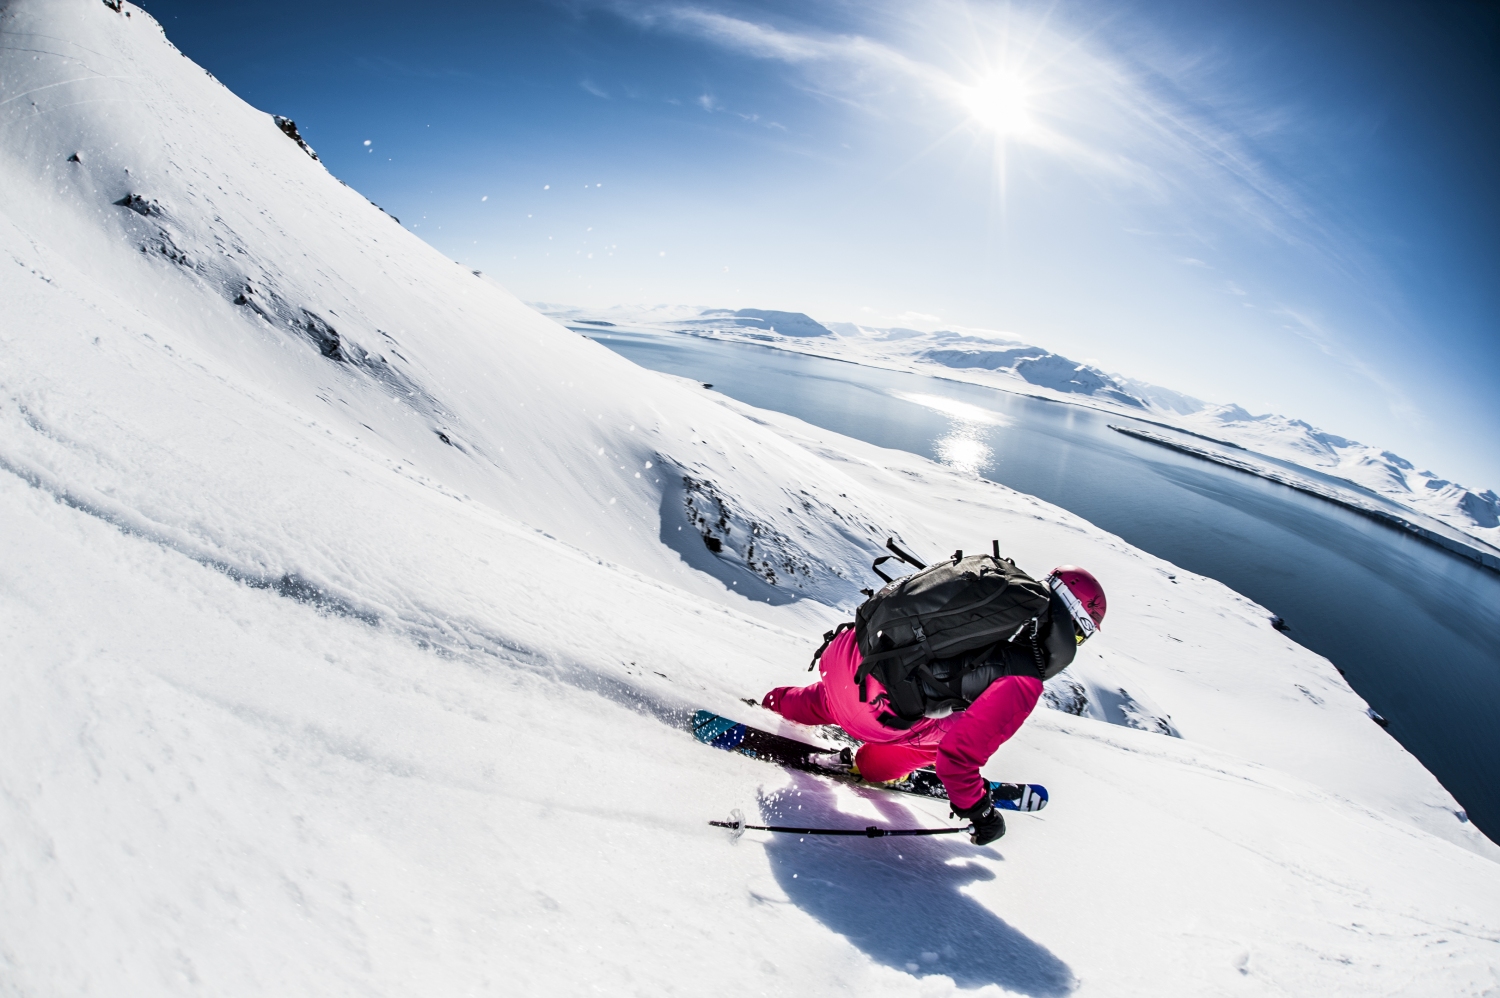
x=353 y=611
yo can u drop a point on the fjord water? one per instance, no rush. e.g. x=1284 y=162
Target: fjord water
x=1416 y=630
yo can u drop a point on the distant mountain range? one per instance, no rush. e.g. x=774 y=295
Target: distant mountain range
x=1016 y=366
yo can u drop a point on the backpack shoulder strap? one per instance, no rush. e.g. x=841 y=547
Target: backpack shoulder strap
x=828 y=637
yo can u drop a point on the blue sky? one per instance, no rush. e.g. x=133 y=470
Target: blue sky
x=1285 y=205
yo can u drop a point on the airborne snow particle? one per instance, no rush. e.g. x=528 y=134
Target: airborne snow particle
x=485 y=198
x=367 y=141
x=546 y=187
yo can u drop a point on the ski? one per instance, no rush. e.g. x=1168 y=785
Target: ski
x=734 y=736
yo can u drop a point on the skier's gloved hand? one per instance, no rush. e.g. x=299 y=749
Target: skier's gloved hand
x=988 y=823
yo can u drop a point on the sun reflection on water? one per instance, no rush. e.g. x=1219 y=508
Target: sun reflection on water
x=964 y=449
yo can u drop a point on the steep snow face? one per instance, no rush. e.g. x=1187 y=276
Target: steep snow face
x=351 y=609
x=221 y=228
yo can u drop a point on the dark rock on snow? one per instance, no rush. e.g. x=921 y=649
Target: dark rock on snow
x=289 y=126
x=140 y=204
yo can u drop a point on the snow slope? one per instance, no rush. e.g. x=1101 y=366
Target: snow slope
x=1006 y=363
x=352 y=609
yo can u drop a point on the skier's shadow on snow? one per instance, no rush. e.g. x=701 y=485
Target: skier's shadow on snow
x=901 y=900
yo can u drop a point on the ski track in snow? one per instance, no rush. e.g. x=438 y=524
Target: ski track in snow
x=353 y=612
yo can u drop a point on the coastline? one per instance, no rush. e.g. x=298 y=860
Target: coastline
x=1466 y=550
x=1390 y=519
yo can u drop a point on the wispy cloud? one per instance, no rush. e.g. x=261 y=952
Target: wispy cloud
x=1327 y=342
x=711 y=103
x=764 y=41
x=855 y=57
x=753 y=39
x=589 y=86
x=1145 y=117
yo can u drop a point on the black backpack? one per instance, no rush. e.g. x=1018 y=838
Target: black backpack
x=963 y=611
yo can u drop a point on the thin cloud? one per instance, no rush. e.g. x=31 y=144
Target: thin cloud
x=1309 y=329
x=864 y=55
x=1146 y=120
x=712 y=104
x=753 y=39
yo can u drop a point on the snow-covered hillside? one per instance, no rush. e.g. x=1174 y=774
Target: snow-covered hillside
x=352 y=609
x=1011 y=365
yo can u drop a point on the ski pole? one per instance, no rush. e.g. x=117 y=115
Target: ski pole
x=736 y=824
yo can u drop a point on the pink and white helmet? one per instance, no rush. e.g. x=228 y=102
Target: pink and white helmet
x=1083 y=595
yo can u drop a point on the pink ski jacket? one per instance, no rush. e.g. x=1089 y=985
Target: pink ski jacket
x=958 y=744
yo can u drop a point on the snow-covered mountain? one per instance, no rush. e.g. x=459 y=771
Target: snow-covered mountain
x=1010 y=364
x=1380 y=471
x=351 y=610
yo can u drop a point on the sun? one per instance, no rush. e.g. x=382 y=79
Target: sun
x=999 y=103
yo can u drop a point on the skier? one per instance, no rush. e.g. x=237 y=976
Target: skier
x=973 y=703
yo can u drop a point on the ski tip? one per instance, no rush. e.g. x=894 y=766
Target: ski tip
x=720 y=732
